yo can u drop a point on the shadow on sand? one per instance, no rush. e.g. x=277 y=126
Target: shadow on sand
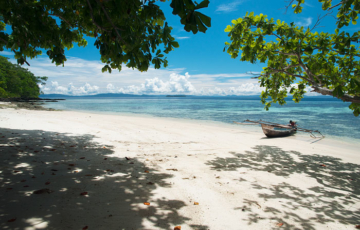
x=337 y=189
x=63 y=167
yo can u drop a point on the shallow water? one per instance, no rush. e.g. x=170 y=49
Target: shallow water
x=331 y=117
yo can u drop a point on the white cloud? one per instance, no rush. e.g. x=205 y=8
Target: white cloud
x=229 y=7
x=6 y=53
x=305 y=22
x=83 y=77
x=55 y=88
x=176 y=84
x=181 y=38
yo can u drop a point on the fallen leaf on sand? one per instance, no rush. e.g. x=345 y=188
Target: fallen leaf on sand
x=357 y=226
x=104 y=147
x=150 y=183
x=12 y=220
x=47 y=183
x=279 y=224
x=84 y=193
x=323 y=165
x=86 y=227
x=172 y=169
x=146 y=171
x=147 y=203
x=71 y=164
x=177 y=228
x=82 y=158
x=42 y=191
x=196 y=203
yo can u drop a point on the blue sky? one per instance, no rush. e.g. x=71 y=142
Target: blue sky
x=198 y=67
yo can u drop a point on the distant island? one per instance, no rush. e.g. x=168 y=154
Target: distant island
x=175 y=95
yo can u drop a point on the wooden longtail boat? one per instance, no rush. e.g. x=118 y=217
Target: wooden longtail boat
x=277 y=130
x=273 y=131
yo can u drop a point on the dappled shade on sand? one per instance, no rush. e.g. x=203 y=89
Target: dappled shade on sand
x=58 y=181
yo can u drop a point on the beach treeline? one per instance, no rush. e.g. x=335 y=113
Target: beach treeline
x=18 y=82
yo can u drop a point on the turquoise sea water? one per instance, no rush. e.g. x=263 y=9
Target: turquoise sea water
x=332 y=117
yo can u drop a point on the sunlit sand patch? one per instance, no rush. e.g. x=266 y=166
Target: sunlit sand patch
x=116 y=174
x=37 y=223
x=22 y=165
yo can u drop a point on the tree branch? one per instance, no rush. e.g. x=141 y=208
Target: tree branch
x=345 y=97
x=338 y=4
x=100 y=28
x=288 y=73
x=111 y=22
x=62 y=19
x=4 y=40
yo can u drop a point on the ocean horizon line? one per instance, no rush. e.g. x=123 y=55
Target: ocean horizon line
x=183 y=96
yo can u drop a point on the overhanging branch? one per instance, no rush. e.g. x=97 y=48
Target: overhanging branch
x=111 y=22
x=345 y=97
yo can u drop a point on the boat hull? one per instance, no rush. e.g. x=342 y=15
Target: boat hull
x=270 y=131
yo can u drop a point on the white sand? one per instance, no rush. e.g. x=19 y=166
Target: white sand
x=240 y=178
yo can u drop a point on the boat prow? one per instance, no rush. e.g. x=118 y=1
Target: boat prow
x=271 y=131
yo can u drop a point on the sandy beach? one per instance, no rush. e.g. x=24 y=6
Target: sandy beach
x=73 y=170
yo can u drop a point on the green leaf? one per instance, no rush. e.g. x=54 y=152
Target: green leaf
x=202 y=4
x=205 y=19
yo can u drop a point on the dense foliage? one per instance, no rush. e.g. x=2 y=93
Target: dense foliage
x=16 y=81
x=130 y=32
x=297 y=57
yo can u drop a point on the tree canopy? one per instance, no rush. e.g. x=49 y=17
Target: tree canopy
x=130 y=32
x=16 y=81
x=297 y=57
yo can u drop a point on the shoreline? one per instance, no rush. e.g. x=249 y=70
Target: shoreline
x=99 y=171
x=250 y=128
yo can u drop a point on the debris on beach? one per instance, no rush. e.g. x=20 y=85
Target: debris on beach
x=146 y=203
x=196 y=203
x=83 y=193
x=279 y=224
x=172 y=169
x=177 y=228
x=42 y=191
